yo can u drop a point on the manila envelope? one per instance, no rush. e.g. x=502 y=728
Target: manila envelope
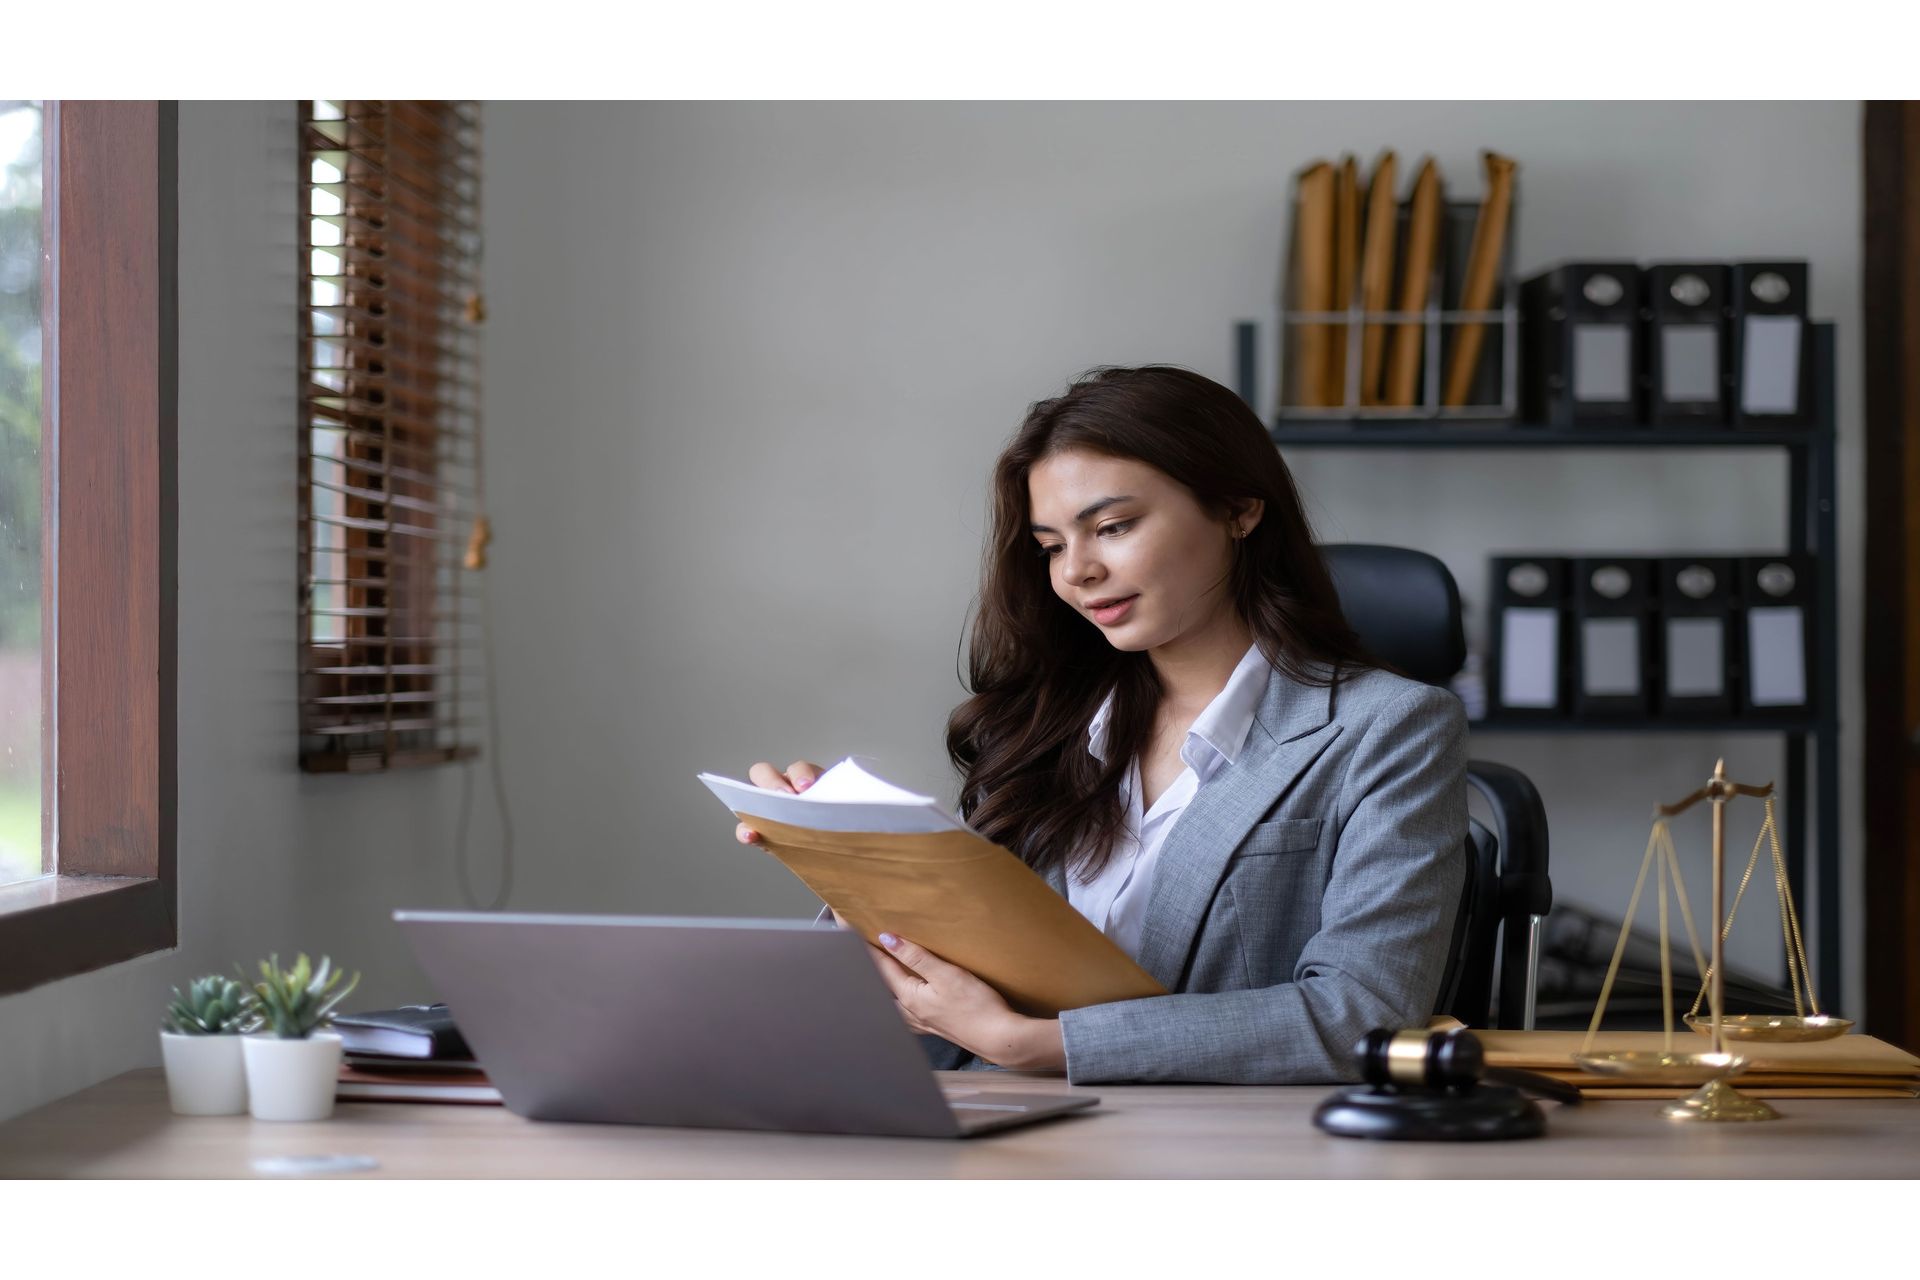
x=968 y=901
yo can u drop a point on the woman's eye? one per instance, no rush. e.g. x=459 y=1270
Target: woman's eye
x=1118 y=526
x=1046 y=552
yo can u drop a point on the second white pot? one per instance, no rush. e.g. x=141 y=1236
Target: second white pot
x=292 y=1079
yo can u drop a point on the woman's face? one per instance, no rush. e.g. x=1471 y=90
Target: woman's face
x=1130 y=549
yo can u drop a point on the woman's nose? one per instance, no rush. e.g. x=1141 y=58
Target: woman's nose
x=1079 y=563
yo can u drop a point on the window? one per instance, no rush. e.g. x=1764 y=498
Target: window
x=103 y=889
x=24 y=855
x=389 y=434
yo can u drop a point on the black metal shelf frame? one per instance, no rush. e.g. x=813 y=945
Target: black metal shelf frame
x=1811 y=529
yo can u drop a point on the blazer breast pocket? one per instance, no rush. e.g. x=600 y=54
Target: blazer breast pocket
x=1284 y=835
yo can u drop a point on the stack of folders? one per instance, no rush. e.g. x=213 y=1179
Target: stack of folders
x=1853 y=1066
x=411 y=1054
x=1703 y=637
x=1673 y=344
x=1358 y=249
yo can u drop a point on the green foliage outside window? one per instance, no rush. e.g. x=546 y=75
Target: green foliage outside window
x=20 y=380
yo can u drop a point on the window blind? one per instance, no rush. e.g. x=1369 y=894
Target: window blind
x=390 y=466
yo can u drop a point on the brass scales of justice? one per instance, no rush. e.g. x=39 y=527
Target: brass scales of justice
x=1716 y=1099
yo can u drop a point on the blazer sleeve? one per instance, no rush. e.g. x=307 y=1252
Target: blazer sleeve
x=1386 y=922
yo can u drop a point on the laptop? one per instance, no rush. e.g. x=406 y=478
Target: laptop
x=724 y=1024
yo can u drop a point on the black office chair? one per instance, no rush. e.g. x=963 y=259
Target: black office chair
x=1406 y=608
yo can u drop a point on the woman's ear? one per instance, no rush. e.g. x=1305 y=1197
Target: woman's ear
x=1246 y=515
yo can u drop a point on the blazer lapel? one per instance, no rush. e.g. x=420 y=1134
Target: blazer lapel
x=1290 y=730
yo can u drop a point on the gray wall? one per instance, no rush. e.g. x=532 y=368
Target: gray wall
x=748 y=365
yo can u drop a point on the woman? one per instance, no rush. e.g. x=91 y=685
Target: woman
x=1172 y=722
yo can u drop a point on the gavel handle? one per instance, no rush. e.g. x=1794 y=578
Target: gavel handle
x=1533 y=1082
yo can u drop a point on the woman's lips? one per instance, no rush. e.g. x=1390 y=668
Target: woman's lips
x=1113 y=613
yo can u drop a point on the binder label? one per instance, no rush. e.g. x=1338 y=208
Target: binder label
x=1770 y=365
x=1776 y=667
x=1602 y=363
x=1689 y=364
x=1610 y=657
x=1529 y=658
x=1696 y=663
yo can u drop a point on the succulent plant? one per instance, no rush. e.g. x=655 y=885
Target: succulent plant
x=213 y=1006
x=294 y=1003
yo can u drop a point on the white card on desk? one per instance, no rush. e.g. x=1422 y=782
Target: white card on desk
x=844 y=798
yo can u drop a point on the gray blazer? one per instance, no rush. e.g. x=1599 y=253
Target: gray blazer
x=1304 y=896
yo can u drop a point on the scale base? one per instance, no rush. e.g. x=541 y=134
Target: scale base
x=1717 y=1100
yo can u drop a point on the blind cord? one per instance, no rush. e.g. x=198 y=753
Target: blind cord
x=460 y=861
x=476 y=562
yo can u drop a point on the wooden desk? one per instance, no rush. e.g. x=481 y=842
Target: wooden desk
x=123 y=1129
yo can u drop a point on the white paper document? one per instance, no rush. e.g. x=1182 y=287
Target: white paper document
x=844 y=798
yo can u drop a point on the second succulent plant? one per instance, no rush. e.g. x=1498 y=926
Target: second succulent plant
x=294 y=1003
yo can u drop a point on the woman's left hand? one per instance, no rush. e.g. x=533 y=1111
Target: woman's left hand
x=942 y=999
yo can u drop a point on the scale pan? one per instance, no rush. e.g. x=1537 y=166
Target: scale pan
x=1777 y=1028
x=1667 y=1068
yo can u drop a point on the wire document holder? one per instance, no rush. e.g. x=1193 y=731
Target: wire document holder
x=1440 y=329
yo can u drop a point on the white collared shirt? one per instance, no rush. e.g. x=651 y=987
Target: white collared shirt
x=1116 y=899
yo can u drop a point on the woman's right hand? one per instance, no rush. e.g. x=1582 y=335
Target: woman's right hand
x=799 y=776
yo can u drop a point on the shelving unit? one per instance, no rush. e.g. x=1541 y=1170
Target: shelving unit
x=1811 y=530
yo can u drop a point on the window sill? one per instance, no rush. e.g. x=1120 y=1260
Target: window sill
x=60 y=926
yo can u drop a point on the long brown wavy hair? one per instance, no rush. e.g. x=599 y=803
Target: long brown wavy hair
x=1038 y=670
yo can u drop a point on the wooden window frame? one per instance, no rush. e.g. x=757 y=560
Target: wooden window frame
x=109 y=567
x=1890 y=730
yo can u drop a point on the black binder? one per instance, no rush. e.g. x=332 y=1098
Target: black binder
x=1613 y=607
x=1689 y=365
x=1698 y=644
x=1581 y=326
x=1528 y=637
x=1773 y=363
x=411 y=1031
x=1776 y=598
x=1246 y=375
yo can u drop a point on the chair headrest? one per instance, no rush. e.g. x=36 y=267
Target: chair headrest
x=1404 y=604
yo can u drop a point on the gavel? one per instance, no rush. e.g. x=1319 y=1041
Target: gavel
x=1426 y=1085
x=1444 y=1060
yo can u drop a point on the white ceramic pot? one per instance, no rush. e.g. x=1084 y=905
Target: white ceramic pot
x=291 y=1079
x=206 y=1075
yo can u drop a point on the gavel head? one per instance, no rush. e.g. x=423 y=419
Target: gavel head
x=1420 y=1059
